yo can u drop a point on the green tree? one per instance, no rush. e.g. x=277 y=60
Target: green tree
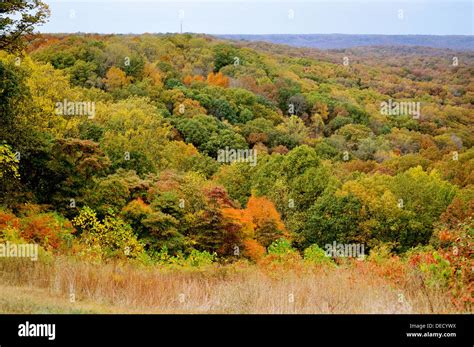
x=223 y=55
x=208 y=134
x=73 y=165
x=293 y=182
x=19 y=17
x=9 y=173
x=332 y=218
x=83 y=74
x=426 y=196
x=221 y=109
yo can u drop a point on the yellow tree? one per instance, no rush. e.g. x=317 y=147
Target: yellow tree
x=218 y=79
x=116 y=78
x=266 y=220
x=260 y=224
x=150 y=71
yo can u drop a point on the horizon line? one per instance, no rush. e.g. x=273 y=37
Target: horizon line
x=215 y=34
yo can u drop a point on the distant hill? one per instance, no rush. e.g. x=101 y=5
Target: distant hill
x=336 y=41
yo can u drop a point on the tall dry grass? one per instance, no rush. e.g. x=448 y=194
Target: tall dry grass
x=237 y=288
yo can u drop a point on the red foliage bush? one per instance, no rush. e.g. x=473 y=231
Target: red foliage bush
x=47 y=230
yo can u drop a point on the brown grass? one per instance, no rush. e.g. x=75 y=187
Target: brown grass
x=38 y=287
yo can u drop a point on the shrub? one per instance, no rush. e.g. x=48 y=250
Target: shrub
x=8 y=220
x=197 y=258
x=109 y=238
x=10 y=234
x=281 y=252
x=194 y=259
x=253 y=250
x=50 y=231
x=281 y=247
x=454 y=261
x=316 y=255
x=381 y=252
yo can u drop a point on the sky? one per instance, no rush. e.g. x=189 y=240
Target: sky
x=402 y=17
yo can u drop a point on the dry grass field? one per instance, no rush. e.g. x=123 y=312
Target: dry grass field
x=64 y=285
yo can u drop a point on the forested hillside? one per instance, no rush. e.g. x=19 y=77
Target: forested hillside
x=167 y=149
x=338 y=41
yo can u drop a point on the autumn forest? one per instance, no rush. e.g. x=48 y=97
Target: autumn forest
x=189 y=173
